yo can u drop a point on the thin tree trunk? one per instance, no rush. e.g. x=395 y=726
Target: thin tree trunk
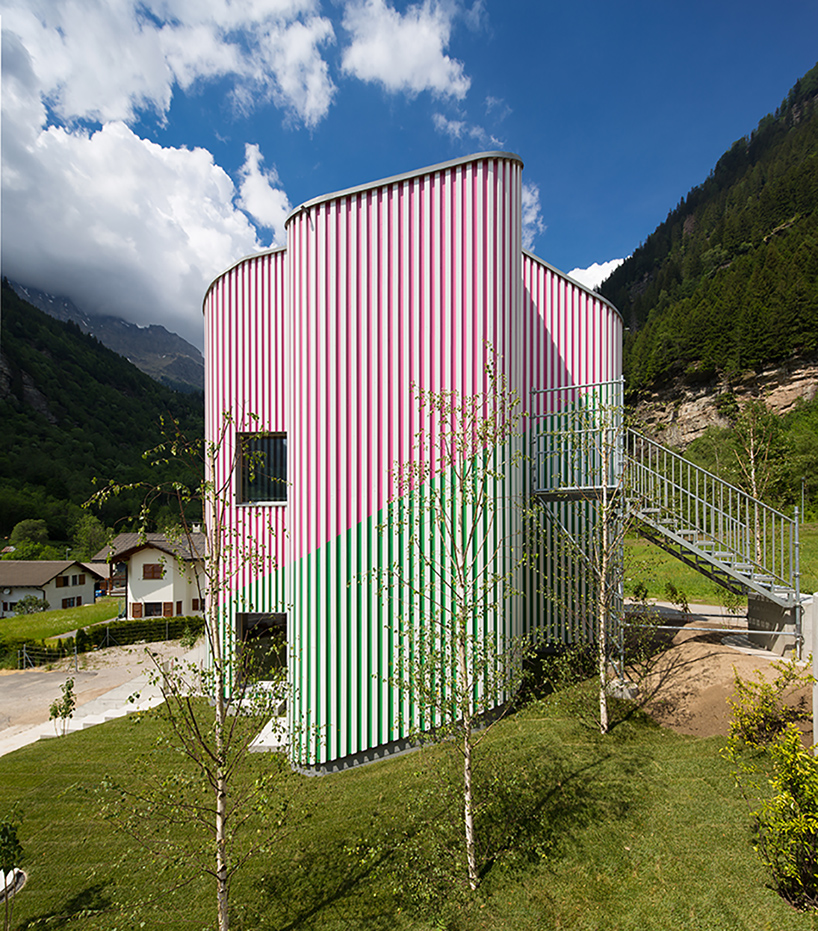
x=602 y=601
x=465 y=710
x=221 y=816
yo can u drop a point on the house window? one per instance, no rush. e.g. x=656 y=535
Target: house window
x=153 y=570
x=153 y=609
x=262 y=467
x=69 y=602
x=62 y=581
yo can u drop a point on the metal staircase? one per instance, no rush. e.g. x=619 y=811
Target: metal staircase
x=712 y=526
x=582 y=451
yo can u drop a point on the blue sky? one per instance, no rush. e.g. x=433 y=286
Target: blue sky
x=147 y=145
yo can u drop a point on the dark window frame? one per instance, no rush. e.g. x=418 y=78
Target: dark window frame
x=264 y=636
x=262 y=468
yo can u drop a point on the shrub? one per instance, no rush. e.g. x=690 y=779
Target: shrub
x=762 y=709
x=773 y=768
x=787 y=823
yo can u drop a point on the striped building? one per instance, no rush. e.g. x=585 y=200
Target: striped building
x=315 y=355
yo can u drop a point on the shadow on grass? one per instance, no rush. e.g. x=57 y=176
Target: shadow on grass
x=87 y=902
x=530 y=809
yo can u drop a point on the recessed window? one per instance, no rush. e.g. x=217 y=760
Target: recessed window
x=262 y=467
x=264 y=644
x=153 y=570
x=153 y=609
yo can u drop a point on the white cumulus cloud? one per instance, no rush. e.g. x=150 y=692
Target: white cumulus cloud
x=533 y=224
x=115 y=222
x=594 y=275
x=460 y=129
x=403 y=52
x=261 y=197
x=109 y=59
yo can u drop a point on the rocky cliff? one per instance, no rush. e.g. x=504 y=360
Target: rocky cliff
x=680 y=413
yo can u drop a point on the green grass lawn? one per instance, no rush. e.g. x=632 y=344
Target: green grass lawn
x=647 y=563
x=45 y=624
x=639 y=830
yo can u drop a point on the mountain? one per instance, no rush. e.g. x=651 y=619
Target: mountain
x=72 y=411
x=163 y=355
x=725 y=291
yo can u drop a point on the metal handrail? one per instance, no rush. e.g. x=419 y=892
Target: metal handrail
x=578 y=446
x=756 y=539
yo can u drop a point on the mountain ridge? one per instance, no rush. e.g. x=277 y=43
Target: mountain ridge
x=158 y=352
x=74 y=413
x=728 y=283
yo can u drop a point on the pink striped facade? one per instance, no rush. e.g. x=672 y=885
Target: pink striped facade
x=403 y=282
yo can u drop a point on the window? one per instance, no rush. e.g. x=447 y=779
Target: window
x=195 y=604
x=62 y=581
x=69 y=602
x=153 y=570
x=262 y=467
x=264 y=644
x=153 y=609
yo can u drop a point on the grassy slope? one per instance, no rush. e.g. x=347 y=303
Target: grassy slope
x=45 y=624
x=647 y=563
x=641 y=830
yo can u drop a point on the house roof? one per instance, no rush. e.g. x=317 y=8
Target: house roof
x=33 y=572
x=124 y=545
x=100 y=569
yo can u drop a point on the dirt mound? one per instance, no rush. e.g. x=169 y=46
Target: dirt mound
x=690 y=683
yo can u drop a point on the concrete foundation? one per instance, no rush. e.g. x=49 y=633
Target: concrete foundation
x=780 y=622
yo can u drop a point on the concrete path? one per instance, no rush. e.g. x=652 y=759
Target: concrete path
x=103 y=692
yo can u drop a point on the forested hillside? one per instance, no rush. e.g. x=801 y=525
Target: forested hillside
x=71 y=411
x=729 y=282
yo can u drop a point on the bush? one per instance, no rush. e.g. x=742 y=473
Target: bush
x=774 y=768
x=762 y=710
x=31 y=604
x=787 y=823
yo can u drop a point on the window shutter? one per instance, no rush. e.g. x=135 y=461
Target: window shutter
x=136 y=609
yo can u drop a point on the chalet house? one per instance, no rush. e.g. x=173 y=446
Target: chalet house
x=63 y=583
x=164 y=578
